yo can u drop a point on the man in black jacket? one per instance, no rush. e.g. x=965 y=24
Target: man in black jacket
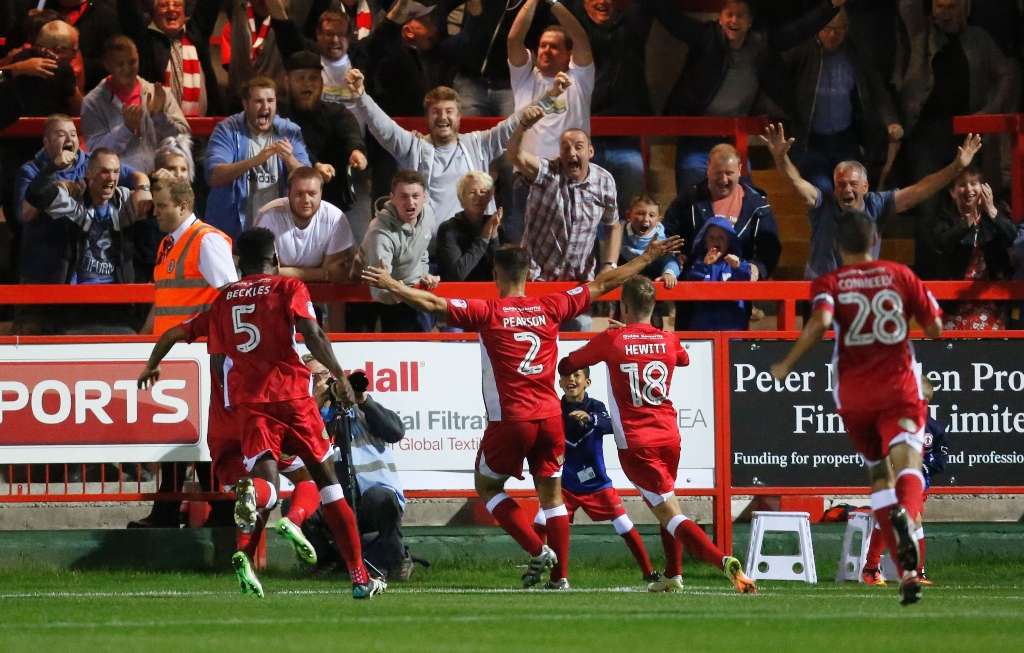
x=332 y=134
x=728 y=66
x=844 y=110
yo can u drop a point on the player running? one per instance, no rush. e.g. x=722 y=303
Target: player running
x=585 y=482
x=641 y=359
x=518 y=337
x=878 y=390
x=250 y=331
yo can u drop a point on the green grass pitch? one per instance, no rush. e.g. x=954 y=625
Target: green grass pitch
x=977 y=607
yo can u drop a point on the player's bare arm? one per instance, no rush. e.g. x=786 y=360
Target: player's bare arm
x=611 y=279
x=321 y=349
x=419 y=299
x=813 y=331
x=151 y=374
x=908 y=198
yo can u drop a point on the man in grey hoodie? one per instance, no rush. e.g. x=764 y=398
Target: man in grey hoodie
x=397 y=240
x=444 y=155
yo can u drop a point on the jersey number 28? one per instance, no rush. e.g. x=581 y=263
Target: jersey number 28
x=888 y=327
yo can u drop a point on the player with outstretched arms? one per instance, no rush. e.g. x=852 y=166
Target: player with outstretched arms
x=641 y=359
x=250 y=330
x=518 y=338
x=877 y=390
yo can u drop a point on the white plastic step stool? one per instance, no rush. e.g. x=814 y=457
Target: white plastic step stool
x=851 y=563
x=781 y=567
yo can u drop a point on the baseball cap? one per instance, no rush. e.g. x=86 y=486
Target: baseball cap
x=304 y=60
x=418 y=10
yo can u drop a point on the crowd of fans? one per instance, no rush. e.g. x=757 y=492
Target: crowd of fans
x=861 y=95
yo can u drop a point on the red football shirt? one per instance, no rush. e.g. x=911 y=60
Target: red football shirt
x=641 y=359
x=252 y=322
x=519 y=343
x=873 y=365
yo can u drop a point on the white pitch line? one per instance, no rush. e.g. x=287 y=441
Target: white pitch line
x=378 y=619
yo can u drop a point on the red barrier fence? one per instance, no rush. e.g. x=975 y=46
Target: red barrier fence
x=785 y=294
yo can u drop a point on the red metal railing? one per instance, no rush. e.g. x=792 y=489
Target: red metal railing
x=785 y=294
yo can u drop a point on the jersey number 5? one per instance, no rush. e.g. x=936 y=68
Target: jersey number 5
x=888 y=327
x=655 y=382
x=239 y=324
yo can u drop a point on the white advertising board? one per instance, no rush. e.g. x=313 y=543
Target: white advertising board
x=77 y=403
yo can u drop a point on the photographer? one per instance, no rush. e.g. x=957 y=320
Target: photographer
x=366 y=470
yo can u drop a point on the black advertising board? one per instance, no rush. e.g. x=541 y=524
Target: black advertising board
x=788 y=434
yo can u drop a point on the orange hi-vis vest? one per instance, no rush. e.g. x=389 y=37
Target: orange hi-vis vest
x=181 y=290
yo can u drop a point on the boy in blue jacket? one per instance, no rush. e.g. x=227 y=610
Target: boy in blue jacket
x=585 y=483
x=716 y=257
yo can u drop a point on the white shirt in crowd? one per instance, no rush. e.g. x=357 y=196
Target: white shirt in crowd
x=328 y=232
x=528 y=84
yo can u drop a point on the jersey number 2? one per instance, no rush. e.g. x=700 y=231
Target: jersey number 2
x=526 y=366
x=655 y=382
x=239 y=324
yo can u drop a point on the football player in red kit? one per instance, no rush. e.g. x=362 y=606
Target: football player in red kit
x=641 y=359
x=518 y=337
x=878 y=392
x=250 y=330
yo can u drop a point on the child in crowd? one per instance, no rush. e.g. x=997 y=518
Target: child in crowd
x=585 y=483
x=716 y=257
x=643 y=225
x=934 y=458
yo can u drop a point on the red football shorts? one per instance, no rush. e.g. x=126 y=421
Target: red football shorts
x=294 y=426
x=603 y=505
x=505 y=444
x=224 y=439
x=874 y=432
x=652 y=470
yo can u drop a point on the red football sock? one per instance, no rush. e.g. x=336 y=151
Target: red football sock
x=639 y=551
x=242 y=540
x=251 y=541
x=266 y=494
x=513 y=519
x=305 y=500
x=345 y=531
x=673 y=554
x=875 y=547
x=888 y=535
x=909 y=491
x=558 y=539
x=697 y=542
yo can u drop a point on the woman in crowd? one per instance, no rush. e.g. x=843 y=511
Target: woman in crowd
x=973 y=238
x=466 y=242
